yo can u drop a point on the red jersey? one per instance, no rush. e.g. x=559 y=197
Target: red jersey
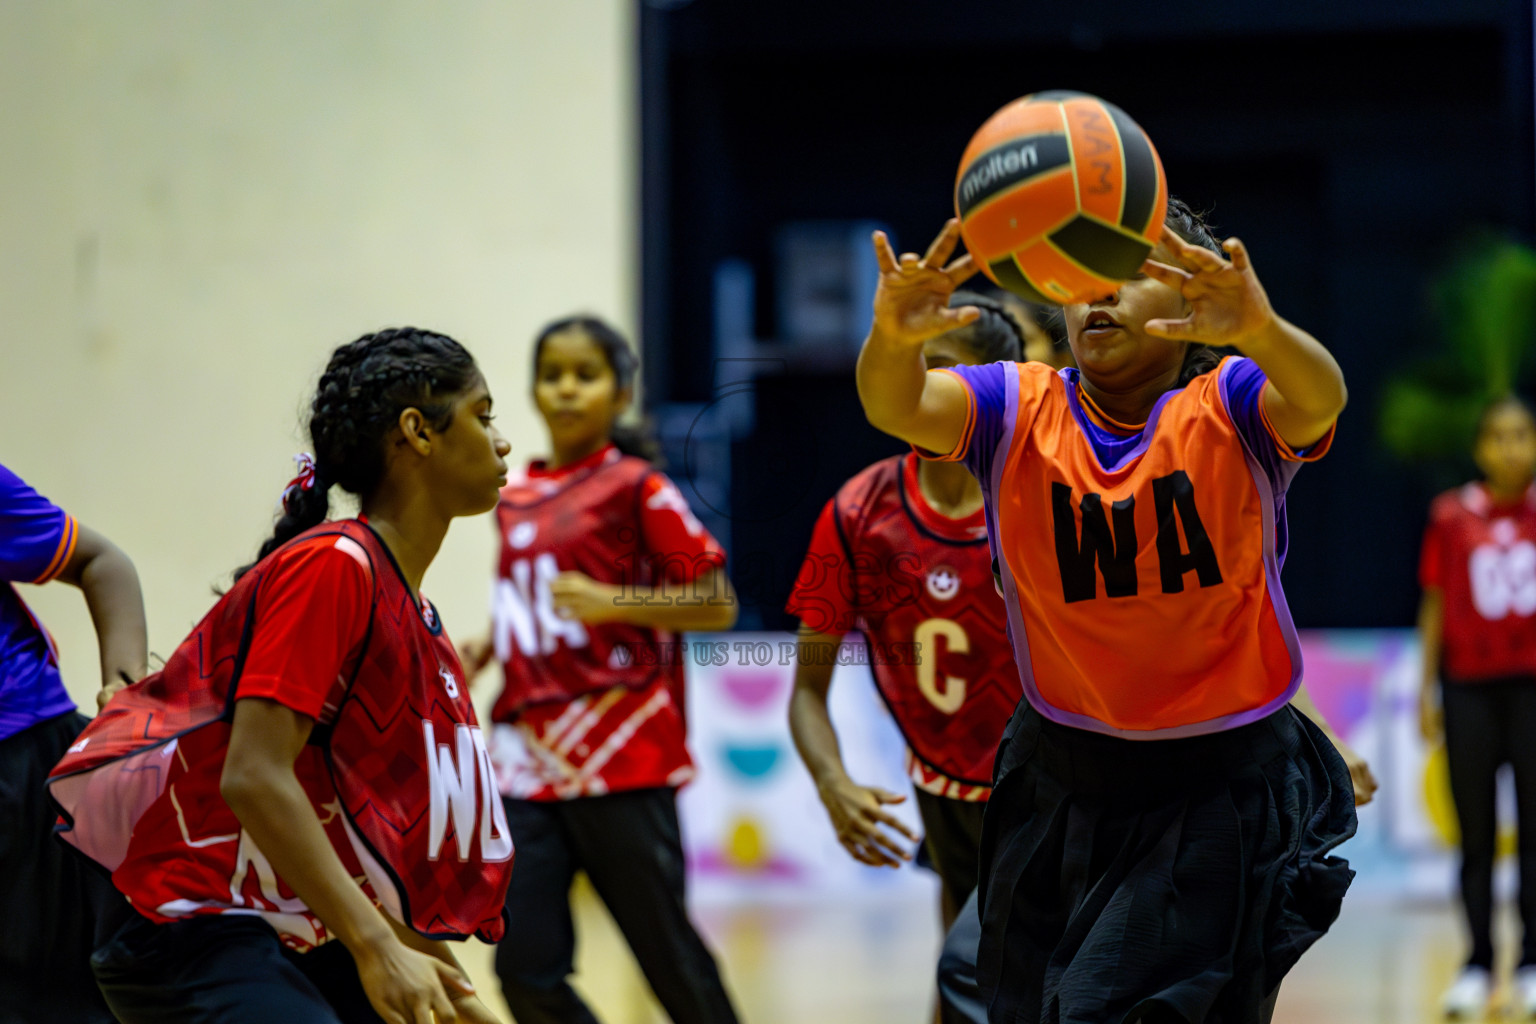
x=396 y=770
x=1482 y=557
x=591 y=708
x=920 y=586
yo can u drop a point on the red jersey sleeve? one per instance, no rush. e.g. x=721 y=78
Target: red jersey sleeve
x=311 y=613
x=820 y=598
x=682 y=550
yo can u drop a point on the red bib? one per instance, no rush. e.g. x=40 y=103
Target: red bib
x=920 y=586
x=587 y=521
x=403 y=754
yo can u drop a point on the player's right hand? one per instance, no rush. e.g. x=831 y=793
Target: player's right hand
x=407 y=987
x=912 y=296
x=860 y=821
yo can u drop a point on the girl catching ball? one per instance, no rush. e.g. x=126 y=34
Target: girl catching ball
x=1156 y=847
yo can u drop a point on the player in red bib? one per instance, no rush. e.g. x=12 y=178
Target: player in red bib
x=602 y=565
x=1477 y=623
x=307 y=766
x=900 y=554
x=1136 y=864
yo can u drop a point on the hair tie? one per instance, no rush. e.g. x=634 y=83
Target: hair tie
x=305 y=481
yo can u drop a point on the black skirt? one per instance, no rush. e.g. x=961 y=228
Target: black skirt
x=1166 y=879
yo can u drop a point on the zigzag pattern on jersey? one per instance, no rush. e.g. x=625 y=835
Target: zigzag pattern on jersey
x=892 y=554
x=375 y=756
x=588 y=522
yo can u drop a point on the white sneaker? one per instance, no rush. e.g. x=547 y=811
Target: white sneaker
x=1468 y=995
x=1525 y=991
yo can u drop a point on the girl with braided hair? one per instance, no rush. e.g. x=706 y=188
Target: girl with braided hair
x=298 y=805
x=602 y=565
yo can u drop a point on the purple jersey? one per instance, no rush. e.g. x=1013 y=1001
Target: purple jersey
x=37 y=539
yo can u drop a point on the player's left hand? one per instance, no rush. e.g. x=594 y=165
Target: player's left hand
x=1227 y=305
x=575 y=595
x=1359 y=772
x=472 y=1011
x=474 y=654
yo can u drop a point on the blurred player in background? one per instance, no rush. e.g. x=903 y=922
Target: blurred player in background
x=1477 y=624
x=266 y=800
x=50 y=898
x=602 y=566
x=900 y=554
x=1157 y=846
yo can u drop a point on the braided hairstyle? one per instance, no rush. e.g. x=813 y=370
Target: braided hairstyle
x=637 y=440
x=1191 y=226
x=994 y=336
x=366 y=385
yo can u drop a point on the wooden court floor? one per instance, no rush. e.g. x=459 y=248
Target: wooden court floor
x=1384 y=962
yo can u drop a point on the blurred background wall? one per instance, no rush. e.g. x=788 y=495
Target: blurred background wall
x=198 y=201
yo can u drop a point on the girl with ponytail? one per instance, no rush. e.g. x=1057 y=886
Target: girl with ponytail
x=601 y=566
x=269 y=790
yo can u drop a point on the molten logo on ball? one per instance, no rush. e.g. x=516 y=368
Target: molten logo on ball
x=1061 y=197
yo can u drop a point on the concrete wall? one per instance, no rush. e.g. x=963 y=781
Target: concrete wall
x=198 y=201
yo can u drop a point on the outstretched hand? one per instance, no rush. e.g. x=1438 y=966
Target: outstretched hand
x=861 y=822
x=1227 y=305
x=912 y=297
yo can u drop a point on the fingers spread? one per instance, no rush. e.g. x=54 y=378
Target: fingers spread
x=867 y=853
x=892 y=822
x=1173 y=277
x=1199 y=255
x=943 y=245
x=961 y=269
x=453 y=981
x=887 y=846
x=1177 y=329
x=1239 y=253
x=885 y=257
x=442 y=1006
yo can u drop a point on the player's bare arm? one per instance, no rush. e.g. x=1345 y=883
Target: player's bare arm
x=707 y=604
x=1431 y=631
x=107 y=578
x=259 y=785
x=911 y=305
x=1228 y=306
x=857 y=812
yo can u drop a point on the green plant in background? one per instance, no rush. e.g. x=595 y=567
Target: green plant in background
x=1486 y=305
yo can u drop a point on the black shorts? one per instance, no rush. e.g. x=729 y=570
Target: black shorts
x=952 y=839
x=226 y=969
x=50 y=896
x=1164 y=879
